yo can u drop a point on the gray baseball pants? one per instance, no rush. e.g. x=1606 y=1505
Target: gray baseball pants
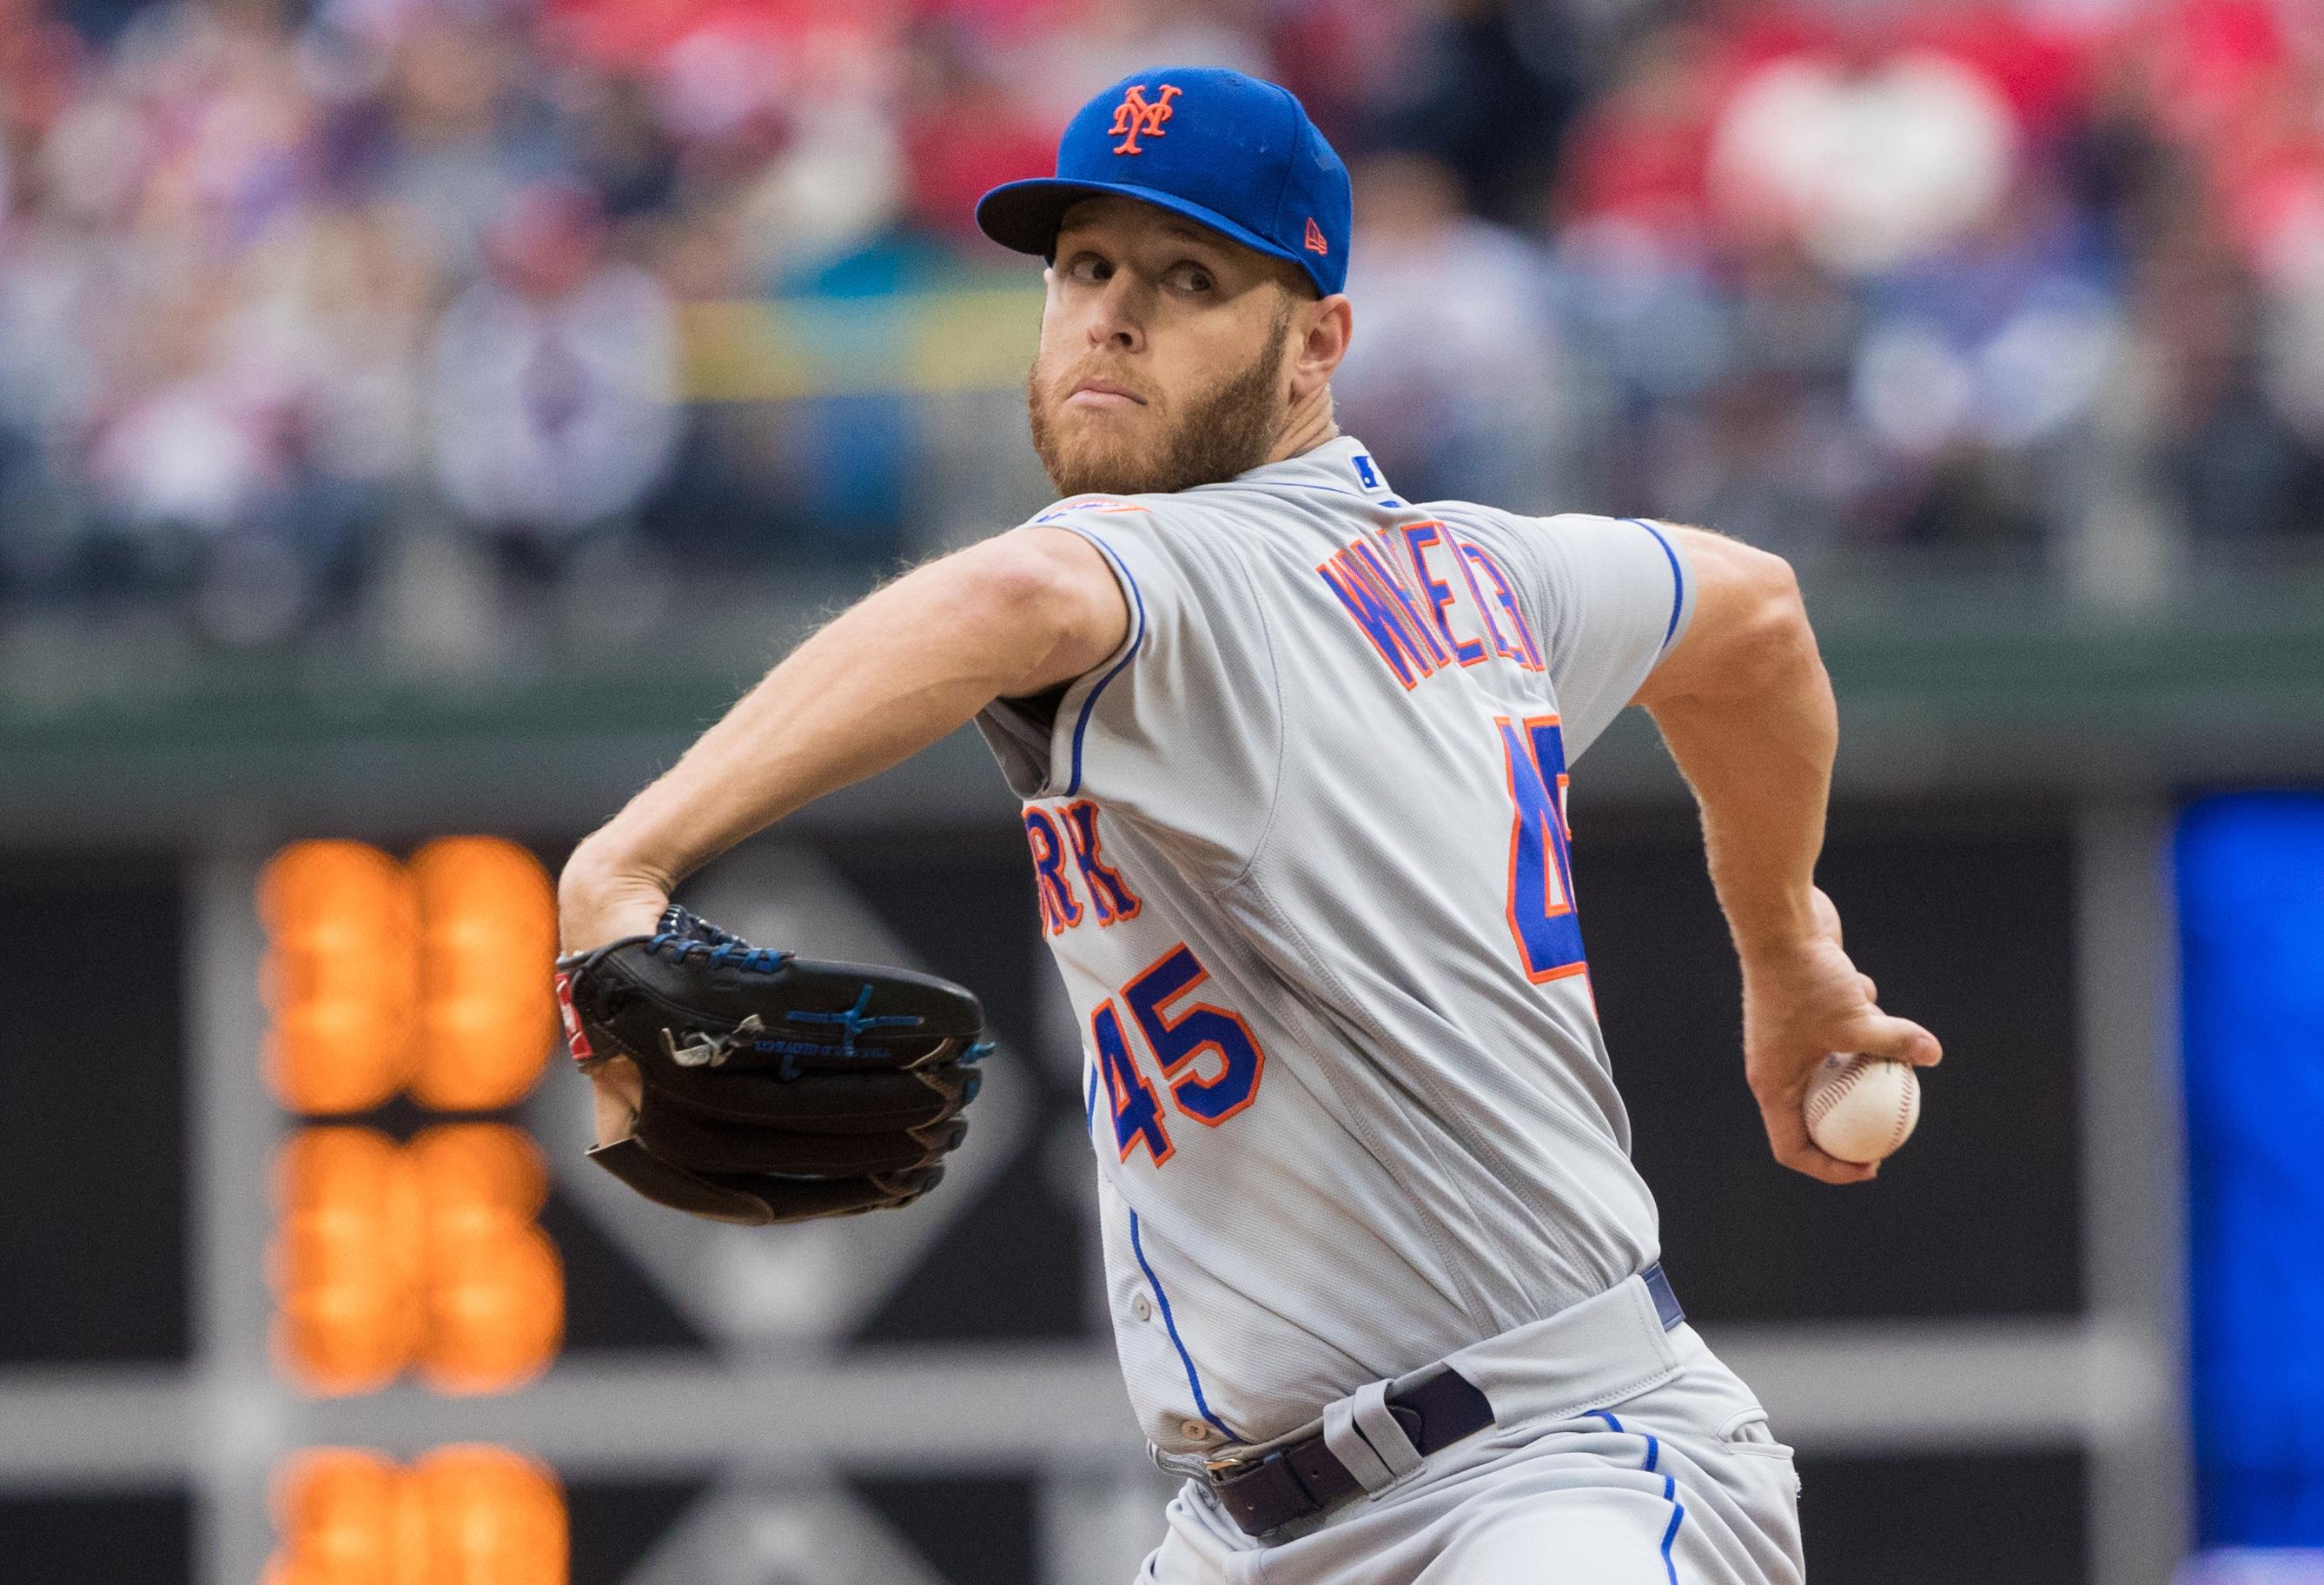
x=1620 y=1454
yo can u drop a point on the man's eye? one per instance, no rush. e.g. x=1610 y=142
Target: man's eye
x=1189 y=278
x=1089 y=268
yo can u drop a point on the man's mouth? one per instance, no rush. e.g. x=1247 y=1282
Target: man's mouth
x=1102 y=395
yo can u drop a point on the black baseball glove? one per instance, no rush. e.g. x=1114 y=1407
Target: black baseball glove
x=777 y=1087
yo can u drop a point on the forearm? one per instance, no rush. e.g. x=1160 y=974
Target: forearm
x=1747 y=711
x=1756 y=748
x=897 y=672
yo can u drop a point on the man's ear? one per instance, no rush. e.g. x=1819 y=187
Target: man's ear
x=1323 y=329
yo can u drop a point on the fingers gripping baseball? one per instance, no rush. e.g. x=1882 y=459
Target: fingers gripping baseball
x=1799 y=1006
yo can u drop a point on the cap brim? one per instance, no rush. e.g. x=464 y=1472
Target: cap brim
x=1025 y=216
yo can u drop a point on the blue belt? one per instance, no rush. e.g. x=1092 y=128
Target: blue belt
x=1665 y=1301
x=1305 y=1479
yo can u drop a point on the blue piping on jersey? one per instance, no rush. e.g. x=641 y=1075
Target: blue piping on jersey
x=1678 y=577
x=1382 y=500
x=1089 y=1102
x=1678 y=1512
x=1654 y=1448
x=1135 y=643
x=1138 y=1248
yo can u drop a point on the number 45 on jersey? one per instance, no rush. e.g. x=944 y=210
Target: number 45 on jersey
x=1208 y=1092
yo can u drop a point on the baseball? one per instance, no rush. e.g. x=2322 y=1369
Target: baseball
x=1861 y=1109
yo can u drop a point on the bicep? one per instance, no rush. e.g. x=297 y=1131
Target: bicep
x=1050 y=597
x=1742 y=596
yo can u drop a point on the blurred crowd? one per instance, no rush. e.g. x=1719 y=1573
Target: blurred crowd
x=285 y=287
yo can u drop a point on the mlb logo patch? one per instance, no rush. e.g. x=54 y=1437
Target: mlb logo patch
x=1366 y=472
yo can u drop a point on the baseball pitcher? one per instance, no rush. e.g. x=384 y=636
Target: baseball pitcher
x=1294 y=754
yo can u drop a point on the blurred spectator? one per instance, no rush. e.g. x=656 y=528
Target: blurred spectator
x=1766 y=448
x=1868 y=159
x=2000 y=340
x=2234 y=464
x=1456 y=365
x=553 y=380
x=462 y=131
x=1489 y=87
x=1093 y=42
x=624 y=152
x=967 y=131
x=1641 y=152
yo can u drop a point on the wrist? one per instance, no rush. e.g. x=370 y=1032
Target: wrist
x=1777 y=934
x=602 y=867
x=600 y=904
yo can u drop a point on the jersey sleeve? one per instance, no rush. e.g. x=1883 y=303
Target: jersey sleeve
x=1180 y=727
x=1617 y=595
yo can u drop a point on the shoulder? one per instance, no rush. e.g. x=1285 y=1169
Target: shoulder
x=1188 y=536
x=1551 y=525
x=1560 y=538
x=1214 y=508
x=1074 y=508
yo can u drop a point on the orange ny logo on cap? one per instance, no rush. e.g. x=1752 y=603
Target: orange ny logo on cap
x=1134 y=117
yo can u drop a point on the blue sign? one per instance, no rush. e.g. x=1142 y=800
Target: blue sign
x=2251 y=937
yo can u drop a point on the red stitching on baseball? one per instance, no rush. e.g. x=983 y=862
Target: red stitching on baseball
x=1835 y=1092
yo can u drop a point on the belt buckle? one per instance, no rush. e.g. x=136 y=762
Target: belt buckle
x=1224 y=1464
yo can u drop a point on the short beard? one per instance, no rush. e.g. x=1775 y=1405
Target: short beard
x=1228 y=431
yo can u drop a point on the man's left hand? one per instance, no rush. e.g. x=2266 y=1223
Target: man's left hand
x=594 y=905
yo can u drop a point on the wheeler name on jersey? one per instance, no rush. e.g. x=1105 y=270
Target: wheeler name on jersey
x=1411 y=625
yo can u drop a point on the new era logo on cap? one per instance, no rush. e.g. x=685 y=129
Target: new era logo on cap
x=1225 y=150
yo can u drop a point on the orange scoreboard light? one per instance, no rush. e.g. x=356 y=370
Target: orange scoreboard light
x=423 y=1255
x=464 y=1514
x=433 y=977
x=340 y=978
x=487 y=943
x=429 y=979
x=346 y=1265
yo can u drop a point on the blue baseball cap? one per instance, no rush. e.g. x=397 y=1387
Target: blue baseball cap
x=1225 y=150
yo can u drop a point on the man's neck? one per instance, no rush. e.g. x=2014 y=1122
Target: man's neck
x=1309 y=426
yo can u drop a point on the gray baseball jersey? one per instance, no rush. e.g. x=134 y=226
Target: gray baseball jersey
x=1302 y=854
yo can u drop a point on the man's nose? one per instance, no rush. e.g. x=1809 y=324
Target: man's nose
x=1120 y=321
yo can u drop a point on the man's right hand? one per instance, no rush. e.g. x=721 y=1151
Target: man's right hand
x=1800 y=1004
